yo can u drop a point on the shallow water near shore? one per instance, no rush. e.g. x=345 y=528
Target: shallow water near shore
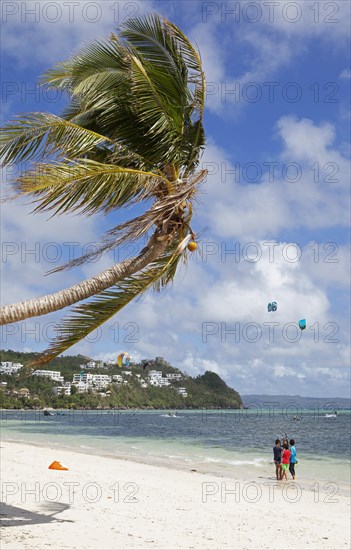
x=218 y=442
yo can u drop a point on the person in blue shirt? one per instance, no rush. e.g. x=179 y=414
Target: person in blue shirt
x=292 y=458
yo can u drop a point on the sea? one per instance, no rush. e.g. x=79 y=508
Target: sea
x=222 y=442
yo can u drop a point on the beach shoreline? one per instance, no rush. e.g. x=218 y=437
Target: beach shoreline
x=242 y=472
x=106 y=502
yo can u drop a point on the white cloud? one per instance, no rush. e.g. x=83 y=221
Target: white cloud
x=33 y=244
x=306 y=185
x=51 y=31
x=281 y=371
x=328 y=264
x=268 y=37
x=325 y=20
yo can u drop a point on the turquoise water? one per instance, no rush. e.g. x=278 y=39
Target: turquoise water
x=224 y=442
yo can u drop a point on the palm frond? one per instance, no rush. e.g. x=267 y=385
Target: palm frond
x=161 y=212
x=154 y=44
x=112 y=90
x=192 y=146
x=193 y=63
x=41 y=135
x=145 y=91
x=87 y=186
x=197 y=77
x=91 y=315
x=95 y=58
x=152 y=37
x=151 y=106
x=168 y=51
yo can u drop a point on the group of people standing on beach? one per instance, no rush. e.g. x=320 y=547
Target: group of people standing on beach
x=284 y=458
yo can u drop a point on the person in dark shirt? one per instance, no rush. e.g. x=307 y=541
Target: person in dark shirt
x=277 y=457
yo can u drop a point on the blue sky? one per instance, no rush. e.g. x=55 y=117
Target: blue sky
x=275 y=204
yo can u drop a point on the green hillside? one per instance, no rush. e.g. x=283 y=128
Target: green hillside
x=207 y=390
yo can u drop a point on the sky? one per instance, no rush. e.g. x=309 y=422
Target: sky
x=273 y=215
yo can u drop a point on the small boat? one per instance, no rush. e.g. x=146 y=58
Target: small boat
x=333 y=415
x=48 y=413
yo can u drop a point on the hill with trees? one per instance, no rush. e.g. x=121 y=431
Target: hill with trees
x=26 y=391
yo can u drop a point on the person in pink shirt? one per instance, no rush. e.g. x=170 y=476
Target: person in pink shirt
x=285 y=461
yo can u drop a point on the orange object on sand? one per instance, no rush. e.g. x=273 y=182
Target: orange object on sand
x=56 y=466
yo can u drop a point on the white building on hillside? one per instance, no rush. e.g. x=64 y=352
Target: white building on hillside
x=154 y=382
x=98 y=381
x=7 y=367
x=156 y=379
x=155 y=374
x=101 y=380
x=53 y=374
x=62 y=390
x=82 y=387
x=87 y=378
x=182 y=392
x=92 y=365
x=174 y=376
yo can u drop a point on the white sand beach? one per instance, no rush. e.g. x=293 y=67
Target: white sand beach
x=108 y=503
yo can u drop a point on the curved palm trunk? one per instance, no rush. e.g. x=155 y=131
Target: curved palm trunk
x=68 y=296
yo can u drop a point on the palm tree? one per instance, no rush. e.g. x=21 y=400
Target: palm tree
x=132 y=133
